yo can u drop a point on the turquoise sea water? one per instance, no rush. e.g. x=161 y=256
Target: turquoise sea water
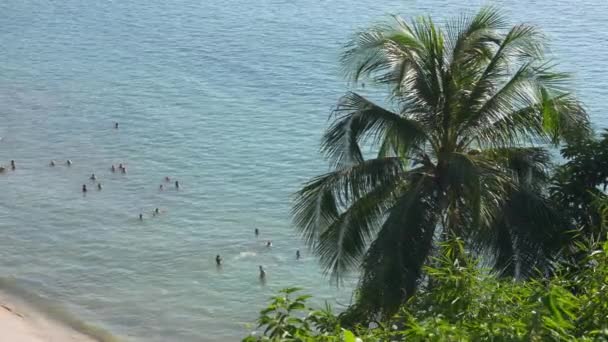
x=228 y=97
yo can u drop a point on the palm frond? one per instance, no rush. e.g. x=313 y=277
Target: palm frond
x=474 y=188
x=319 y=204
x=529 y=166
x=392 y=266
x=343 y=243
x=377 y=50
x=535 y=230
x=563 y=117
x=468 y=33
x=521 y=45
x=356 y=120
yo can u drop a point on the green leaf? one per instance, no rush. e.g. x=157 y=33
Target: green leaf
x=348 y=336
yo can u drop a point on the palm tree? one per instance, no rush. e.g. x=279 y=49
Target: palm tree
x=454 y=153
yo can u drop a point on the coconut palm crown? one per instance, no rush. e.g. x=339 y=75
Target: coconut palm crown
x=454 y=152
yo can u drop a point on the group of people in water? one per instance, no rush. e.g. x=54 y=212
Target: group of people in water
x=219 y=261
x=123 y=170
x=67 y=162
x=121 y=167
x=168 y=180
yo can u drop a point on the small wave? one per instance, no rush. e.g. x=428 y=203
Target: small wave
x=11 y=287
x=243 y=255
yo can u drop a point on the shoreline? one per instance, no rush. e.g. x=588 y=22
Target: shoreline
x=27 y=317
x=20 y=322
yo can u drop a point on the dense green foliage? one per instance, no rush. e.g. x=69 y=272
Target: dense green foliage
x=466 y=303
x=579 y=185
x=469 y=103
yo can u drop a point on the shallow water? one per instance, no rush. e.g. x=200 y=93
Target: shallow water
x=229 y=98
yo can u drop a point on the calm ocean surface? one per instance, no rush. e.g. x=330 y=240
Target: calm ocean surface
x=228 y=97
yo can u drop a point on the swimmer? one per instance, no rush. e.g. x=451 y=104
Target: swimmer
x=113 y=168
x=69 y=162
x=124 y=170
x=141 y=217
x=176 y=184
x=256 y=232
x=161 y=188
x=298 y=254
x=167 y=179
x=156 y=211
x=116 y=125
x=52 y=163
x=98 y=186
x=13 y=165
x=269 y=243
x=262 y=273
x=84 y=188
x=120 y=166
x=218 y=260
x=93 y=177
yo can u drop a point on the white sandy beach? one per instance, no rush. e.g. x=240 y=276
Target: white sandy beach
x=18 y=323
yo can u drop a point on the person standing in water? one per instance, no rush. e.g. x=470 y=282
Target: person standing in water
x=116 y=125
x=13 y=165
x=218 y=260
x=124 y=170
x=69 y=162
x=167 y=179
x=98 y=186
x=141 y=217
x=113 y=168
x=52 y=163
x=84 y=188
x=256 y=232
x=176 y=184
x=156 y=211
x=262 y=273
x=269 y=243
x=160 y=188
x=298 y=254
x=93 y=177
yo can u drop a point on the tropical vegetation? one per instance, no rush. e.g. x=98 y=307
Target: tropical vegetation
x=455 y=152
x=467 y=303
x=445 y=197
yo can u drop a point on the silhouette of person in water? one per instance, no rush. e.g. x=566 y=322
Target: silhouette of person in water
x=269 y=243
x=262 y=273
x=93 y=177
x=116 y=125
x=257 y=232
x=52 y=163
x=84 y=188
x=13 y=165
x=141 y=217
x=218 y=260
x=98 y=186
x=176 y=184
x=113 y=168
x=69 y=162
x=167 y=179
x=160 y=188
x=298 y=254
